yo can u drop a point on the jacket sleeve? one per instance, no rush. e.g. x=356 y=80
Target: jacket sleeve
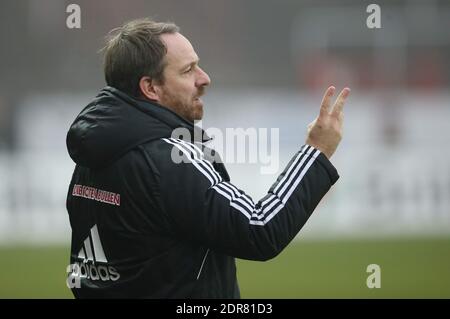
x=204 y=208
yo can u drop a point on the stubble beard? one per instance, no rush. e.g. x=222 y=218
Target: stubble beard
x=192 y=111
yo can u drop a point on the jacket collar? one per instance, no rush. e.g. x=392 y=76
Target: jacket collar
x=162 y=113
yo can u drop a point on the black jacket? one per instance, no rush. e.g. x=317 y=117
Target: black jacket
x=145 y=226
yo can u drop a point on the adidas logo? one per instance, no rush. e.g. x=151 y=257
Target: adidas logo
x=92 y=249
x=93 y=263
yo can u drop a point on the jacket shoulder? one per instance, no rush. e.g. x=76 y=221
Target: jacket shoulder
x=157 y=154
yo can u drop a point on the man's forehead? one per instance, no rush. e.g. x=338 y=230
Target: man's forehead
x=179 y=49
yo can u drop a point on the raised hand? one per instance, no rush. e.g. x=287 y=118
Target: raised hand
x=325 y=132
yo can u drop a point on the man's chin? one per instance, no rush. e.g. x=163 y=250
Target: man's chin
x=198 y=118
x=198 y=113
x=195 y=117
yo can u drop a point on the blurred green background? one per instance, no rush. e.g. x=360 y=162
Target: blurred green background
x=410 y=268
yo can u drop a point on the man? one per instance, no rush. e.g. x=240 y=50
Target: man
x=146 y=226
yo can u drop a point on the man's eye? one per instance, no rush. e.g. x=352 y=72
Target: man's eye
x=188 y=70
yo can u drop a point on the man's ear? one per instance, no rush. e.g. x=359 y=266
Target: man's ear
x=148 y=89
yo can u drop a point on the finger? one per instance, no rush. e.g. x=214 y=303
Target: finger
x=310 y=125
x=341 y=118
x=339 y=105
x=326 y=101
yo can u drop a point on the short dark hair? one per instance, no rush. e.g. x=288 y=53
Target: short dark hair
x=135 y=50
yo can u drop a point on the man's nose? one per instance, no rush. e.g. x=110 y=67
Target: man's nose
x=203 y=78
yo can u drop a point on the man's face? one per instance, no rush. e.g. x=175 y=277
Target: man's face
x=184 y=81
